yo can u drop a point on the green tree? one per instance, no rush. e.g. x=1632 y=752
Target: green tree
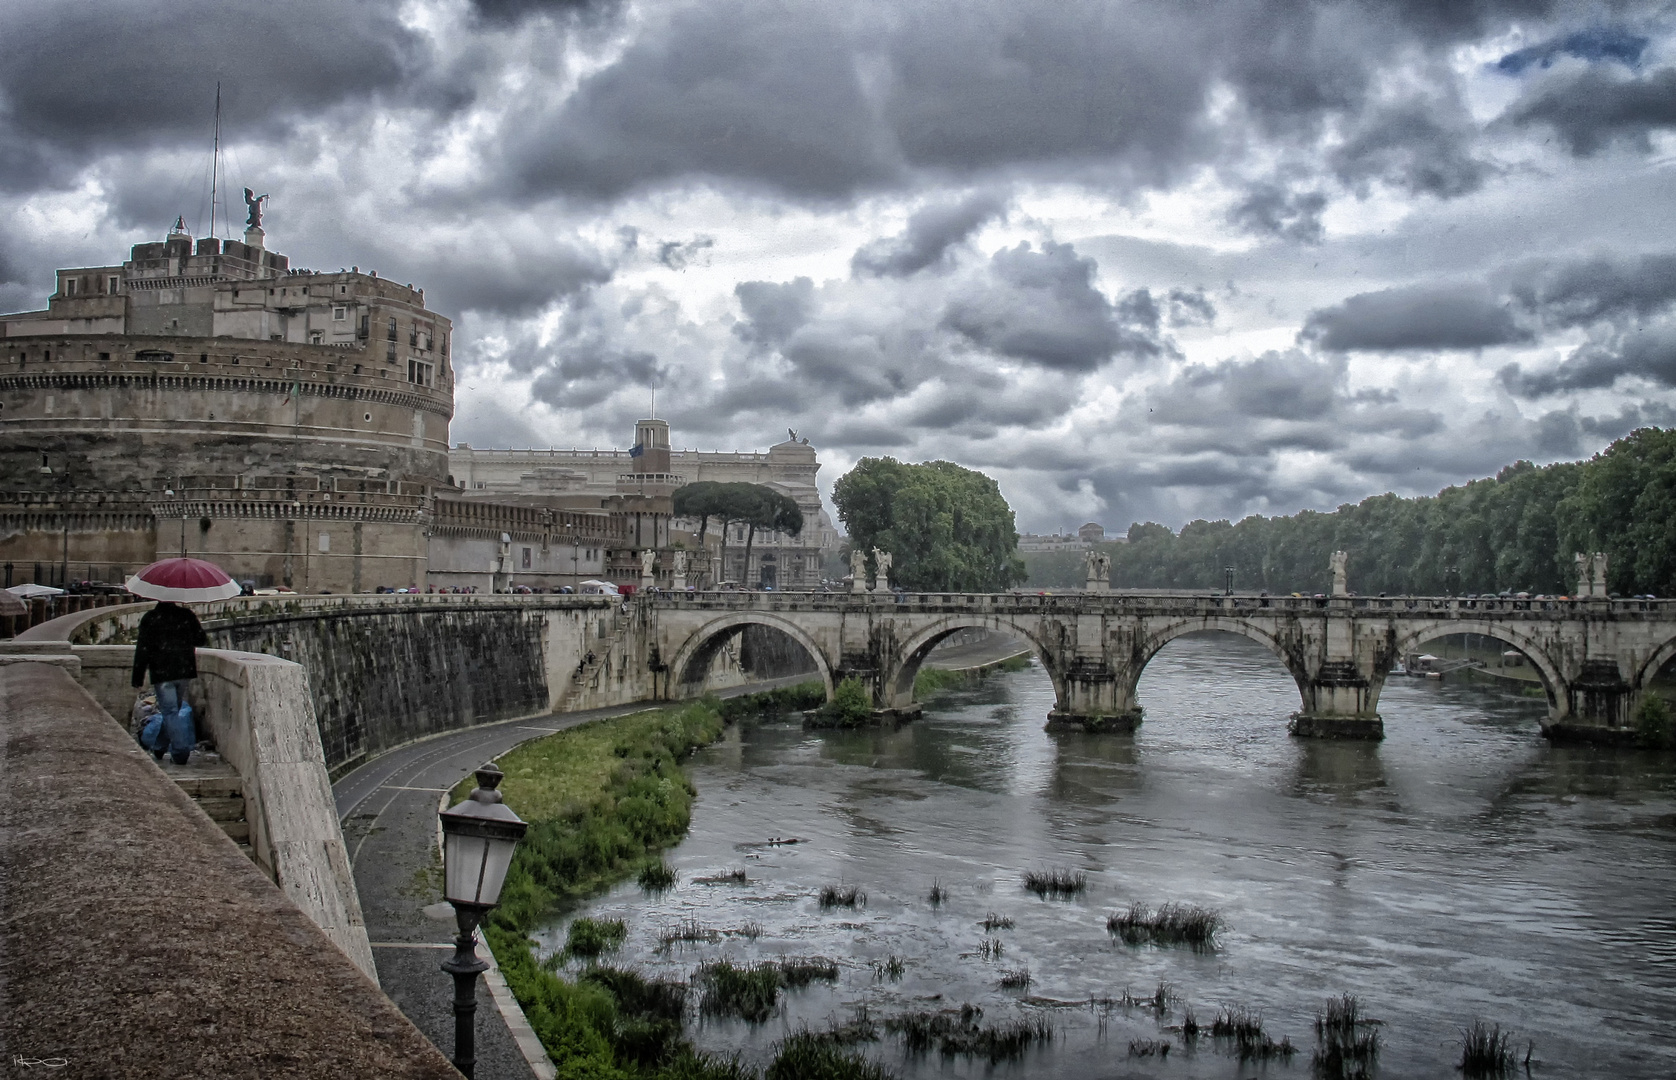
x=756 y=506
x=947 y=529
x=1515 y=531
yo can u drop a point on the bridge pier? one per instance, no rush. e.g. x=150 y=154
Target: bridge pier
x=1339 y=703
x=1091 y=698
x=1598 y=706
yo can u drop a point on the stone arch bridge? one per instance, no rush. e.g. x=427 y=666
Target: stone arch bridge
x=1595 y=656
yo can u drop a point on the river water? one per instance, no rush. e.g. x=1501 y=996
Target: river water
x=1461 y=869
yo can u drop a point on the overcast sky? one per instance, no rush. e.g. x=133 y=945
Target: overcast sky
x=1145 y=260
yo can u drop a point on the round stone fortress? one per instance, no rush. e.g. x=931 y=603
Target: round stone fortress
x=205 y=398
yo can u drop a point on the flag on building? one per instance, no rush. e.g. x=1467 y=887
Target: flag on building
x=636 y=450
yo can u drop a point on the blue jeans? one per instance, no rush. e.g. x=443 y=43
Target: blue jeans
x=170 y=697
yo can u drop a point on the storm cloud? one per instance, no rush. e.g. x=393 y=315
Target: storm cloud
x=1137 y=258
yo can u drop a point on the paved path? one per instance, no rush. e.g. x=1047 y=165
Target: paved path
x=388 y=809
x=992 y=651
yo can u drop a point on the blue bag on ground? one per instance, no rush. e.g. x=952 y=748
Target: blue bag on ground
x=151 y=732
x=182 y=734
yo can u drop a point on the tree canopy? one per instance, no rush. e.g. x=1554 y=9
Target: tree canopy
x=756 y=506
x=1517 y=530
x=947 y=528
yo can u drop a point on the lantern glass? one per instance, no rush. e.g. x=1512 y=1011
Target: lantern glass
x=475 y=867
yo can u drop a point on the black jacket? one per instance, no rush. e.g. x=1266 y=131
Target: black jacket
x=169 y=636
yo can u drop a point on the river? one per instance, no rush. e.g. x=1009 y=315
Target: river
x=1461 y=869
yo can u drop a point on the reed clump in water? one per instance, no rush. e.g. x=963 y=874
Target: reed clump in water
x=938 y=893
x=1057 y=883
x=990 y=949
x=589 y=938
x=656 y=877
x=687 y=930
x=799 y=971
x=1346 y=1041
x=960 y=1032
x=726 y=877
x=1159 y=1048
x=1171 y=924
x=749 y=992
x=844 y=896
x=1251 y=1043
x=993 y=922
x=1487 y=1051
x=1016 y=979
x=891 y=967
x=808 y=1055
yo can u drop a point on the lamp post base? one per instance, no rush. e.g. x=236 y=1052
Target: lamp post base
x=465 y=965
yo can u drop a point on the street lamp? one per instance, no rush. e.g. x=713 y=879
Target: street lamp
x=1229 y=572
x=575 y=552
x=478 y=837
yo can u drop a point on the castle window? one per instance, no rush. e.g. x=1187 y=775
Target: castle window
x=112 y=283
x=315 y=337
x=390 y=354
x=419 y=372
x=392 y=333
x=339 y=314
x=69 y=286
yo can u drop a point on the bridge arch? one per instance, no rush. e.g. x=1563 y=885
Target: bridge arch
x=899 y=685
x=700 y=647
x=1409 y=636
x=1655 y=660
x=1157 y=637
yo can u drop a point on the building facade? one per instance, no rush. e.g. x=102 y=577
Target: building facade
x=206 y=398
x=604 y=478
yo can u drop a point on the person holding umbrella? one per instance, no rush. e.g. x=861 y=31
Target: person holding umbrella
x=170 y=636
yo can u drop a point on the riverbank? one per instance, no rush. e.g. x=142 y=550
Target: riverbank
x=603 y=801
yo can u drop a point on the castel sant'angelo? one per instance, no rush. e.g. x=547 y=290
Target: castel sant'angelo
x=205 y=398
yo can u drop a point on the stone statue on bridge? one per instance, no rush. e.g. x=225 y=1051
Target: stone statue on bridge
x=858 y=571
x=648 y=561
x=1591 y=573
x=881 y=570
x=1099 y=566
x=678 y=580
x=1341 y=579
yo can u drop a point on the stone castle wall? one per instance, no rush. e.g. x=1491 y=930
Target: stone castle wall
x=294 y=464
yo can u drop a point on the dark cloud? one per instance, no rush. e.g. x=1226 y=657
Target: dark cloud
x=931 y=232
x=1290 y=385
x=475 y=273
x=1649 y=353
x=581 y=379
x=1579 y=292
x=1042 y=307
x=508 y=12
x=1421 y=147
x=1595 y=44
x=678 y=255
x=1274 y=210
x=764 y=95
x=1444 y=316
x=1190 y=307
x=1598 y=107
x=773 y=310
x=975 y=88
x=78 y=79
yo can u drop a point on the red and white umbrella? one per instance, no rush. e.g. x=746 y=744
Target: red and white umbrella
x=185 y=581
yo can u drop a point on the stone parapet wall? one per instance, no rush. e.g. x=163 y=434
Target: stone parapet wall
x=140 y=941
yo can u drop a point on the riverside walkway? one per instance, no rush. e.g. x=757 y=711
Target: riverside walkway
x=388 y=811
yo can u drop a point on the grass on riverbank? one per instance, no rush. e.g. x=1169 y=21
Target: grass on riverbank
x=601 y=800
x=930 y=679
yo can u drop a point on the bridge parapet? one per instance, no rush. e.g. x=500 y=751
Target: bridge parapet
x=1595 y=655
